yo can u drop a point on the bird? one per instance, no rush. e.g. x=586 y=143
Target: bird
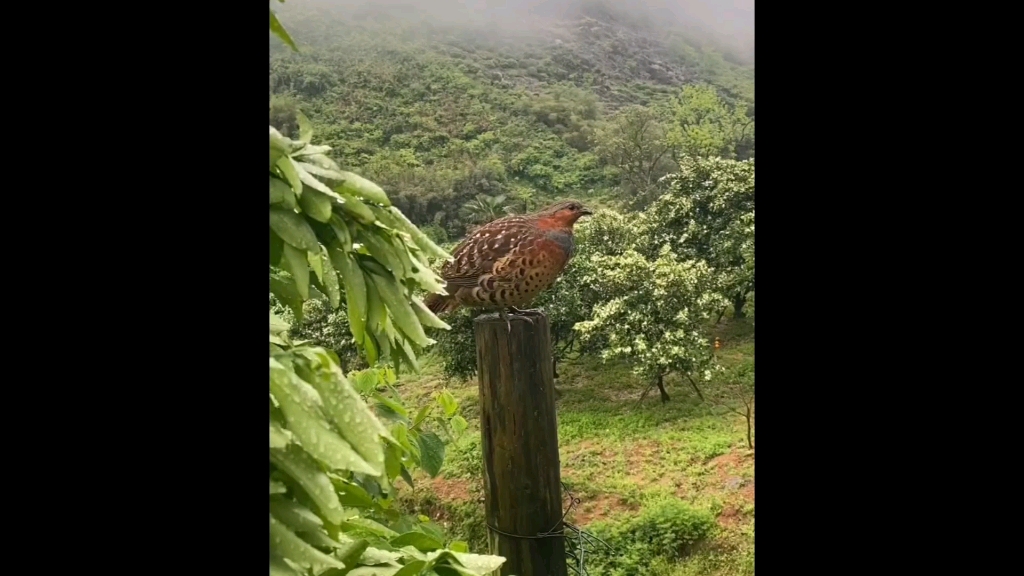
x=507 y=263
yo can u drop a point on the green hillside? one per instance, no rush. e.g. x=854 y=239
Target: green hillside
x=438 y=113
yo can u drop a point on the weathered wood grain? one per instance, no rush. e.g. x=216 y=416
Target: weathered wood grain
x=522 y=474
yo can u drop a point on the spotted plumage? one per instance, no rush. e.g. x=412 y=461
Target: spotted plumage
x=508 y=262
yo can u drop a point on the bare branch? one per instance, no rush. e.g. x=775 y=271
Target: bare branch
x=701 y=396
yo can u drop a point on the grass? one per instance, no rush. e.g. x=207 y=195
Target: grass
x=668 y=463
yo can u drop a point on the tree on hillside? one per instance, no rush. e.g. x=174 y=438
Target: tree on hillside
x=705 y=126
x=569 y=111
x=333 y=460
x=636 y=143
x=733 y=390
x=655 y=314
x=483 y=209
x=708 y=214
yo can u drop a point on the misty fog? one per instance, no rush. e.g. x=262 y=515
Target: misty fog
x=727 y=23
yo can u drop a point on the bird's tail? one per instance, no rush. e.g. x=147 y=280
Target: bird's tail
x=440 y=303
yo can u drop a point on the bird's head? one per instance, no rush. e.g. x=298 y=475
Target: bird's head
x=562 y=214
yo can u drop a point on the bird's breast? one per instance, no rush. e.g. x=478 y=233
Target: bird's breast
x=563 y=240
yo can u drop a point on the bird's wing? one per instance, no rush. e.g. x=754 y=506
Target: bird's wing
x=486 y=246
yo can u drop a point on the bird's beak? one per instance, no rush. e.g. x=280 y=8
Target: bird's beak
x=586 y=212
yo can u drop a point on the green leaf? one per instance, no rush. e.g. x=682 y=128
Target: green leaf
x=412 y=552
x=370 y=346
x=301 y=406
x=293 y=229
x=353 y=418
x=283 y=287
x=301 y=467
x=382 y=251
x=280 y=32
x=281 y=194
x=375 y=311
x=286 y=544
x=459 y=425
x=279 y=437
x=374 y=571
x=370 y=526
x=421 y=239
x=297 y=264
x=277 y=488
x=295 y=516
x=330 y=279
x=370 y=264
x=420 y=540
x=407 y=477
x=426 y=317
x=361 y=212
x=458 y=546
x=405 y=352
x=378 y=556
x=355 y=290
x=392 y=461
x=351 y=553
x=431 y=453
x=448 y=403
x=305 y=128
x=413 y=568
x=364 y=381
x=290 y=173
x=400 y=309
x=354 y=495
x=315 y=154
x=279 y=147
x=278 y=567
x=276 y=249
x=311 y=181
x=316 y=263
x=355 y=184
x=277 y=325
x=423 y=275
x=315 y=204
x=422 y=414
x=479 y=564
x=325 y=173
x=437 y=556
x=394 y=406
x=341 y=230
x=319 y=538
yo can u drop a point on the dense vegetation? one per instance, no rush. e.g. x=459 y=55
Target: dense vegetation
x=652 y=128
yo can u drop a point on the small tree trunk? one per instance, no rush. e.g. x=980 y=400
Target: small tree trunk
x=720 y=314
x=661 y=388
x=750 y=441
x=738 y=301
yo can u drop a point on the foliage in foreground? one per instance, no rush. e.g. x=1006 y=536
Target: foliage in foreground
x=334 y=462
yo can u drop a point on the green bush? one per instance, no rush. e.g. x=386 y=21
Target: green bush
x=664 y=531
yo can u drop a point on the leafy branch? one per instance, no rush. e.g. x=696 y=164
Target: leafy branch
x=334 y=460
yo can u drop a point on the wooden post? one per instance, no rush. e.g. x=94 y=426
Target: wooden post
x=522 y=473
